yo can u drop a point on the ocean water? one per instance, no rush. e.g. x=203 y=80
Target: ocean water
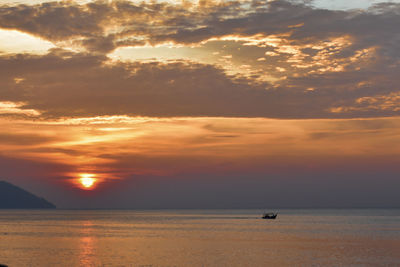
x=369 y=237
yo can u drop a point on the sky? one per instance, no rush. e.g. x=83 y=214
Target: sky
x=201 y=104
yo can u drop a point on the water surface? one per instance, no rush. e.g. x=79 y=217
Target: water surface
x=200 y=238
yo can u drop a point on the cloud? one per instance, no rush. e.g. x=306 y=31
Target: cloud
x=65 y=84
x=11 y=108
x=276 y=59
x=23 y=139
x=101 y=26
x=216 y=153
x=390 y=103
x=105 y=25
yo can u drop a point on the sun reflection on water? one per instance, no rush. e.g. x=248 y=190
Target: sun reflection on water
x=87 y=255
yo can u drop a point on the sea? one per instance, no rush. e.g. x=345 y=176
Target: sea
x=152 y=238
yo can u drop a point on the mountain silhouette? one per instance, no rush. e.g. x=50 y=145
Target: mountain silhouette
x=13 y=197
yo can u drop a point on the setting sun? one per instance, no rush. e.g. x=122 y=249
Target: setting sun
x=87 y=180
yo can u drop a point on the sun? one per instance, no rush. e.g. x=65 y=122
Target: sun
x=87 y=180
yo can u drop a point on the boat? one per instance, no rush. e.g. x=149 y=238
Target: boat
x=270 y=215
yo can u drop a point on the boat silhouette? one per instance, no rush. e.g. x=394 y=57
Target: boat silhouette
x=269 y=215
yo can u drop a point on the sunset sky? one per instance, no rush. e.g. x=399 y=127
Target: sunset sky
x=201 y=104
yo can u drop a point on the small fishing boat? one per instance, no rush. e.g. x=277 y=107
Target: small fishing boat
x=270 y=215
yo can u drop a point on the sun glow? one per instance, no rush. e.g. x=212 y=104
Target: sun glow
x=87 y=180
x=13 y=41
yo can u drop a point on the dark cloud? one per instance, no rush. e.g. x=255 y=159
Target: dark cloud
x=66 y=84
x=329 y=63
x=23 y=139
x=88 y=24
x=53 y=21
x=159 y=22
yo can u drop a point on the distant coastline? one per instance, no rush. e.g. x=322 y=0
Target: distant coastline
x=14 y=197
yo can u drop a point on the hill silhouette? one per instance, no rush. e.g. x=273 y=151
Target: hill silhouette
x=13 y=197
